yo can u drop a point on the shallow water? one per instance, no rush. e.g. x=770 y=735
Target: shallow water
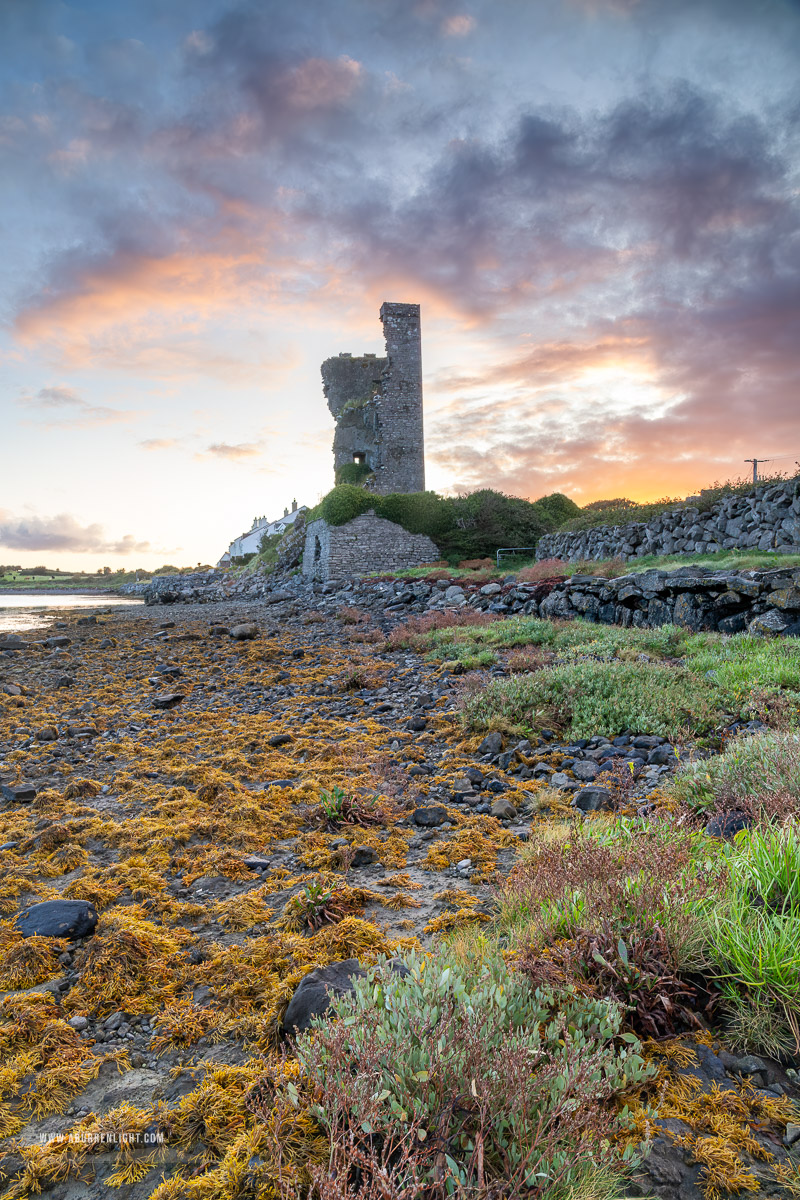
x=38 y=610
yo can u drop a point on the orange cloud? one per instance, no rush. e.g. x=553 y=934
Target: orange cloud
x=458 y=26
x=321 y=82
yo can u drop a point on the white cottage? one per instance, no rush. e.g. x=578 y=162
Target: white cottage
x=249 y=542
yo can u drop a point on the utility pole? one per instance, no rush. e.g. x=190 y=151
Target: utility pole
x=755 y=462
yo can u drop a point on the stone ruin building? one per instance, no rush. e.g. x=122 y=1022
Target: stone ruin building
x=377 y=405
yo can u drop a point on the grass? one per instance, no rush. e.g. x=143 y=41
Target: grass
x=604 y=679
x=728 y=560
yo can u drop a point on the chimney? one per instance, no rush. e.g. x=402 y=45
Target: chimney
x=286 y=512
x=294 y=506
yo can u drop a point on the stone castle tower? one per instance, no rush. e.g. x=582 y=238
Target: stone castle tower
x=377 y=405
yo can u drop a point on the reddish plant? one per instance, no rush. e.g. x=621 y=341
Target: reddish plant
x=638 y=969
x=353 y=616
x=412 y=632
x=548 y=568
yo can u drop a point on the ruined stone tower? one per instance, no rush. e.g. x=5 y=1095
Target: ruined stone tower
x=377 y=405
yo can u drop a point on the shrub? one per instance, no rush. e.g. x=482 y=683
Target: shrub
x=472 y=526
x=453 y=1083
x=635 y=967
x=656 y=878
x=758 y=774
x=587 y=698
x=343 y=504
x=353 y=472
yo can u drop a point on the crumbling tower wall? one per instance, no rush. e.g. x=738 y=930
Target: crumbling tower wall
x=377 y=405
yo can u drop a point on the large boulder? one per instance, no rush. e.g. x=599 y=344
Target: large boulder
x=58 y=919
x=312 y=996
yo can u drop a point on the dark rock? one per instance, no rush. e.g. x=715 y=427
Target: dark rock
x=364 y=857
x=65 y=681
x=312 y=996
x=244 y=633
x=280 y=739
x=491 y=744
x=591 y=798
x=727 y=825
x=21 y=793
x=662 y=756
x=298 y=653
x=431 y=816
x=168 y=699
x=58 y=918
x=11 y=641
x=92 y=620
x=256 y=864
x=585 y=770
x=417 y=724
x=735 y=624
x=282 y=783
x=503 y=810
x=57 y=643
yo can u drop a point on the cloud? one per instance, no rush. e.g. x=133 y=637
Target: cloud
x=159 y=443
x=233 y=453
x=458 y=26
x=83 y=415
x=63 y=533
x=57 y=397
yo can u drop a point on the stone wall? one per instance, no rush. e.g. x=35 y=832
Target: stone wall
x=367 y=543
x=766 y=519
x=377 y=405
x=766 y=602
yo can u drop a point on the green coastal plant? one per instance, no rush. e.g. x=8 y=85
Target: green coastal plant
x=464 y=1079
x=758 y=773
x=586 y=698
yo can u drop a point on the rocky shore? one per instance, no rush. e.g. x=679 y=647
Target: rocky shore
x=185 y=788
x=763 y=602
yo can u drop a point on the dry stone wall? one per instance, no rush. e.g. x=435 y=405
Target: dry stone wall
x=766 y=519
x=367 y=543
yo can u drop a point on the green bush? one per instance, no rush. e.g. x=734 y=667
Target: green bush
x=587 y=698
x=418 y=512
x=343 y=504
x=470 y=526
x=475 y=1073
x=353 y=472
x=759 y=773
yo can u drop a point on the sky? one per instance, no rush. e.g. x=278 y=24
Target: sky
x=595 y=202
